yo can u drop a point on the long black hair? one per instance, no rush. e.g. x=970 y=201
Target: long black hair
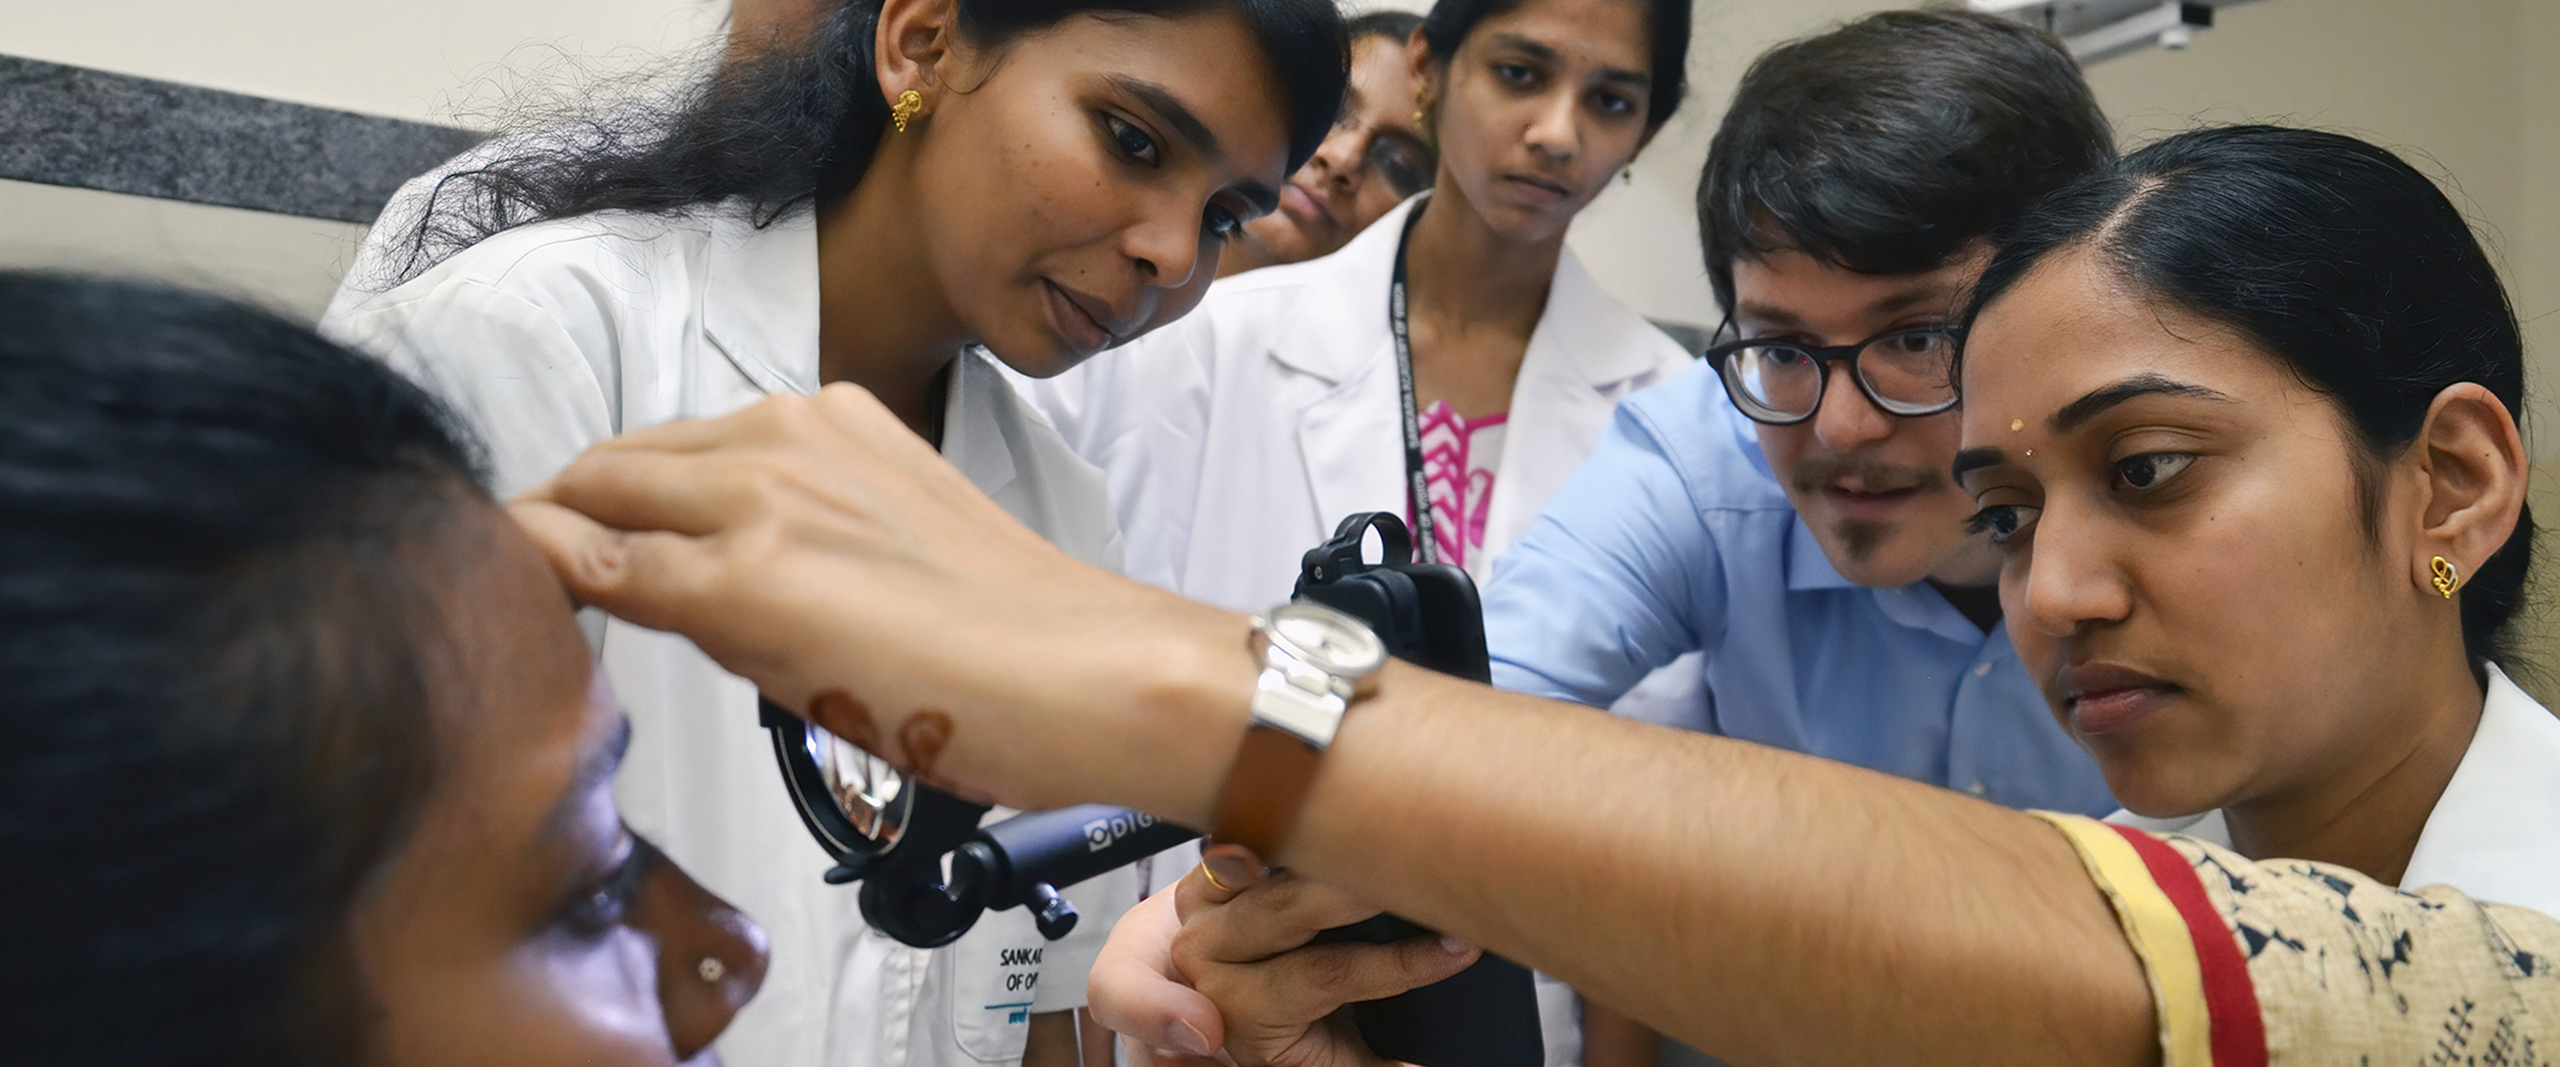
x=1450 y=21
x=215 y=654
x=2336 y=257
x=792 y=125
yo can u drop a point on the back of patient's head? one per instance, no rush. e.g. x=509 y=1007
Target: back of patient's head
x=1893 y=144
x=214 y=680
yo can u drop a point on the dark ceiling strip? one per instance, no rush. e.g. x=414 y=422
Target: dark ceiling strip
x=89 y=129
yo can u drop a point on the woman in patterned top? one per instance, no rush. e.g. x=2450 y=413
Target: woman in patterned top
x=2228 y=442
x=2298 y=376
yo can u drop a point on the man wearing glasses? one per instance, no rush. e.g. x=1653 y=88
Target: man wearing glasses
x=1786 y=508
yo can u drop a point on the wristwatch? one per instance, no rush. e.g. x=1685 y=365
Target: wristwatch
x=1315 y=662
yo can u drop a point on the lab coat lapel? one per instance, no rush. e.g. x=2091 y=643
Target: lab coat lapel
x=973 y=434
x=1585 y=350
x=1353 y=445
x=1349 y=436
x=760 y=309
x=760 y=300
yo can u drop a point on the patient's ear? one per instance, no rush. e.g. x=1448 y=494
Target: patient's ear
x=2471 y=470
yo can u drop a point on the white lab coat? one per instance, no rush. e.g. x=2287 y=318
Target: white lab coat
x=555 y=336
x=1236 y=437
x=2495 y=833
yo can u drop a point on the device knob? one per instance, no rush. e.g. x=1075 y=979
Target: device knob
x=1055 y=917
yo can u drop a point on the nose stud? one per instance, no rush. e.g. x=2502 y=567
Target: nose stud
x=711 y=970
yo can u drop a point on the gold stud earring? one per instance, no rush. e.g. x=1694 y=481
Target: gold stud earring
x=2447 y=576
x=908 y=104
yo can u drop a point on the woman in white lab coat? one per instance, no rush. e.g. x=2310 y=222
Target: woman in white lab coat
x=910 y=181
x=1235 y=439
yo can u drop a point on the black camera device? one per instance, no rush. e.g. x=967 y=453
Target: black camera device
x=1426 y=613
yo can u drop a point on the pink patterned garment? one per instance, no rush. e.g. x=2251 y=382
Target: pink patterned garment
x=1458 y=459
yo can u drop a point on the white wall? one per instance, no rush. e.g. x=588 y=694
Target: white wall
x=415 y=60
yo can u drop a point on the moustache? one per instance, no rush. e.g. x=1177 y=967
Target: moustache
x=1815 y=473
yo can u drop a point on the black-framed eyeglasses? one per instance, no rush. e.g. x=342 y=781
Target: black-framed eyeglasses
x=1907 y=372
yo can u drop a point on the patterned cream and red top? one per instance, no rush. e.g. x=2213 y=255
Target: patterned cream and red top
x=1459 y=456
x=2293 y=962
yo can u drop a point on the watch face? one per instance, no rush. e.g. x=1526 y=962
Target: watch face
x=1328 y=639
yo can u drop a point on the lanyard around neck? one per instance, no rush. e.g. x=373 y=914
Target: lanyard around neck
x=1417 y=480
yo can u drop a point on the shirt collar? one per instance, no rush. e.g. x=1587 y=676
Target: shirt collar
x=2495 y=833
x=1916 y=606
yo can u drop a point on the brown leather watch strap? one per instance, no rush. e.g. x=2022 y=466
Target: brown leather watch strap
x=1266 y=786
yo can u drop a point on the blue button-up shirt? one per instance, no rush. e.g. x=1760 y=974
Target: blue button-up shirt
x=1675 y=537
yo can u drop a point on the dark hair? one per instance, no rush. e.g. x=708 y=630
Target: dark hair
x=793 y=125
x=1397 y=26
x=213 y=686
x=2333 y=255
x=1450 y=21
x=1891 y=144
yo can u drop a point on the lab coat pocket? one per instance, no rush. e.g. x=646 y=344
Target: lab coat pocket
x=995 y=975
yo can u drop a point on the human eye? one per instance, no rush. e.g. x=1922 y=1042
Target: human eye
x=2151 y=470
x=1404 y=168
x=1615 y=105
x=1131 y=142
x=1515 y=74
x=2002 y=522
x=599 y=905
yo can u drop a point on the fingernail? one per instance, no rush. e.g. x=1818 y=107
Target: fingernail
x=1232 y=871
x=1455 y=945
x=1189 y=1039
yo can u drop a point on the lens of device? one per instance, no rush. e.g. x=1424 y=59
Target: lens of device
x=871 y=795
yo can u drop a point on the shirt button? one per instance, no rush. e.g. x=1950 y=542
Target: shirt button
x=1981 y=670
x=1978 y=789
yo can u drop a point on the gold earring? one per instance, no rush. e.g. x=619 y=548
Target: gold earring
x=2447 y=576
x=908 y=104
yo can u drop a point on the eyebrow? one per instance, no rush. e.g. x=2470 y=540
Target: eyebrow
x=595 y=766
x=1896 y=303
x=1974 y=459
x=1890 y=304
x=1162 y=101
x=1544 y=53
x=2104 y=397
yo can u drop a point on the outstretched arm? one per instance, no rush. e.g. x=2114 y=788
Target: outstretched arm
x=1768 y=907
